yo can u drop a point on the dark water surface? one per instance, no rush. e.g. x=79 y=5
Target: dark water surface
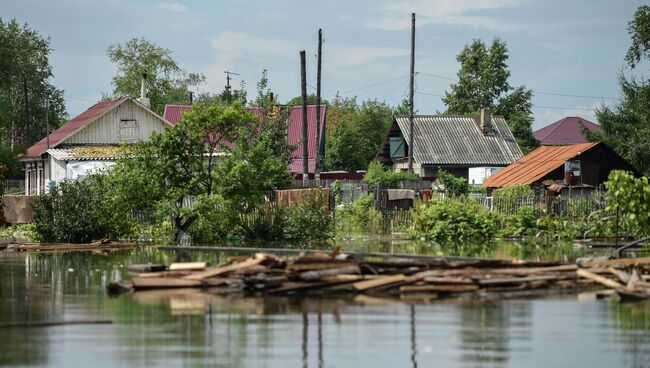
x=192 y=328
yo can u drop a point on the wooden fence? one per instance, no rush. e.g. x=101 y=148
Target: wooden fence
x=559 y=206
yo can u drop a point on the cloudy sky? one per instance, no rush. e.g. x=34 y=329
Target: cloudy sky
x=557 y=47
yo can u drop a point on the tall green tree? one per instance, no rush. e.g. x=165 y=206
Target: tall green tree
x=483 y=83
x=354 y=132
x=626 y=126
x=25 y=74
x=167 y=83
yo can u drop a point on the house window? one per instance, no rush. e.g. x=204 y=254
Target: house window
x=129 y=130
x=397 y=147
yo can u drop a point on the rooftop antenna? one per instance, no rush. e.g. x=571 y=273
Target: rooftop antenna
x=228 y=74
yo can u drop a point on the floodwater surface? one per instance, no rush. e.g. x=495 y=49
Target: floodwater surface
x=193 y=328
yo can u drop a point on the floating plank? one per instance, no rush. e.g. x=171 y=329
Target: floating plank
x=448 y=280
x=163 y=282
x=315 y=275
x=165 y=274
x=141 y=268
x=515 y=280
x=313 y=266
x=437 y=288
x=220 y=270
x=599 y=279
x=536 y=270
x=378 y=282
x=618 y=262
x=622 y=275
x=187 y=266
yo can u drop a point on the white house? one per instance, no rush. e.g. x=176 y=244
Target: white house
x=89 y=142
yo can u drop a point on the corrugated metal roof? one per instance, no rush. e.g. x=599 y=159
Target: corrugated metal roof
x=458 y=140
x=79 y=122
x=85 y=153
x=537 y=164
x=568 y=130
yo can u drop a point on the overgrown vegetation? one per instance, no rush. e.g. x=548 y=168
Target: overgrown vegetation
x=385 y=177
x=453 y=219
x=452 y=185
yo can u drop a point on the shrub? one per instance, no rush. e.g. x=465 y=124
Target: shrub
x=80 y=211
x=264 y=223
x=214 y=220
x=630 y=197
x=359 y=216
x=453 y=186
x=307 y=220
x=388 y=179
x=513 y=191
x=453 y=219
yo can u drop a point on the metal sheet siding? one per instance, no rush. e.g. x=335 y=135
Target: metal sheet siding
x=458 y=140
x=537 y=164
x=294 y=131
x=106 y=129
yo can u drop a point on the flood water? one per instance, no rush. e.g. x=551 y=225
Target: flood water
x=193 y=328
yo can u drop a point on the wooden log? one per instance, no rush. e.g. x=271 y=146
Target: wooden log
x=56 y=323
x=536 y=270
x=378 y=282
x=618 y=262
x=599 y=279
x=437 y=288
x=516 y=280
x=344 y=278
x=448 y=280
x=315 y=275
x=163 y=282
x=165 y=274
x=220 y=270
x=622 y=275
x=313 y=266
x=185 y=266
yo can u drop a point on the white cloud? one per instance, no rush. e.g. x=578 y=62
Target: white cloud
x=395 y=16
x=174 y=7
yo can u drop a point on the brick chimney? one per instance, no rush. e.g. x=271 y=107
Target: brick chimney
x=143 y=91
x=486 y=121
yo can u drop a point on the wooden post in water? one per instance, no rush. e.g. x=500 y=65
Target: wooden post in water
x=303 y=93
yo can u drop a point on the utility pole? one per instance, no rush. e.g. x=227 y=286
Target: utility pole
x=190 y=96
x=411 y=77
x=318 y=137
x=303 y=92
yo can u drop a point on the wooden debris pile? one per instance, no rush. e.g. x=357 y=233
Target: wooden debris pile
x=337 y=273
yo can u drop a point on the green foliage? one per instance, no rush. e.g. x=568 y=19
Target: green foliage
x=359 y=216
x=215 y=220
x=483 y=83
x=354 y=132
x=639 y=30
x=167 y=83
x=379 y=174
x=79 y=212
x=625 y=126
x=20 y=232
x=513 y=191
x=24 y=64
x=308 y=220
x=452 y=220
x=453 y=185
x=630 y=197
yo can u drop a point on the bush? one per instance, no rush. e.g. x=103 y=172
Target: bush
x=264 y=223
x=79 y=212
x=453 y=219
x=308 y=220
x=453 y=186
x=359 y=216
x=388 y=179
x=630 y=197
x=214 y=220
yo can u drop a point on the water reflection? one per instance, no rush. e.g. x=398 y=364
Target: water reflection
x=193 y=327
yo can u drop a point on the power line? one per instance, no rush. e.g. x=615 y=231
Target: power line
x=535 y=91
x=562 y=108
x=375 y=84
x=79 y=98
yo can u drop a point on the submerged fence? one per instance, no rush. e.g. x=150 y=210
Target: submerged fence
x=558 y=206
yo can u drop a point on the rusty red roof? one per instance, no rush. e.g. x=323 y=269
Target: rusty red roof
x=568 y=130
x=80 y=121
x=537 y=164
x=173 y=113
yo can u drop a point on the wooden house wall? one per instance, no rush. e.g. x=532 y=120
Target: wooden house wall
x=127 y=123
